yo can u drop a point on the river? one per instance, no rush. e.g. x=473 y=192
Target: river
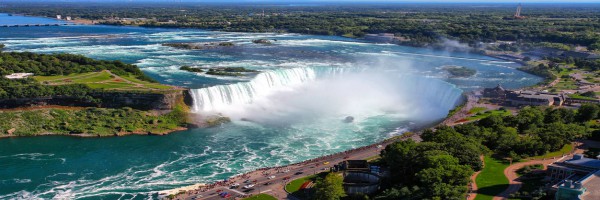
x=292 y=111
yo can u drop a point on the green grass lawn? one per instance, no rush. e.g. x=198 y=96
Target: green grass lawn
x=57 y=78
x=261 y=197
x=295 y=185
x=477 y=109
x=578 y=96
x=98 y=77
x=485 y=114
x=109 y=85
x=491 y=181
x=104 y=80
x=565 y=150
x=565 y=84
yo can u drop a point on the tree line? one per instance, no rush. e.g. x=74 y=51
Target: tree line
x=421 y=24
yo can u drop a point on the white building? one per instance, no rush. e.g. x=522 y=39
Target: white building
x=18 y=75
x=58 y=17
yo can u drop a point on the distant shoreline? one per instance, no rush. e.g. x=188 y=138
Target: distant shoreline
x=75 y=21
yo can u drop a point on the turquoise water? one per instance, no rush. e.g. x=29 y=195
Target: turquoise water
x=289 y=112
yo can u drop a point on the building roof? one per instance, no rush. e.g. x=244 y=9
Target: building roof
x=18 y=75
x=357 y=164
x=586 y=162
x=592 y=185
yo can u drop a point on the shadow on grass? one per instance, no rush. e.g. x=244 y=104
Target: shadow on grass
x=308 y=193
x=492 y=190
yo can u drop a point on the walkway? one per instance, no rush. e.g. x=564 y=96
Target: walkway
x=511 y=172
x=284 y=174
x=473 y=186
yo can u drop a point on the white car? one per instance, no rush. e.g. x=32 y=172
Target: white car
x=271 y=177
x=248 y=186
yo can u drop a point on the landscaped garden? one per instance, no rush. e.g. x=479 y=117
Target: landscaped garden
x=491 y=181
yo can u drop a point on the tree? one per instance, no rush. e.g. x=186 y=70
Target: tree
x=400 y=156
x=529 y=117
x=330 y=188
x=587 y=112
x=444 y=177
x=2 y=47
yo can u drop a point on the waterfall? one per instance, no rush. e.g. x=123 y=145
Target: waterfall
x=418 y=90
x=222 y=96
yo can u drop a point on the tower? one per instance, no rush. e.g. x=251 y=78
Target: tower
x=518 y=13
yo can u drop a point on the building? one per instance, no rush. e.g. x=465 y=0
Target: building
x=360 y=177
x=18 y=75
x=497 y=92
x=58 y=17
x=68 y=18
x=553 y=52
x=534 y=98
x=576 y=178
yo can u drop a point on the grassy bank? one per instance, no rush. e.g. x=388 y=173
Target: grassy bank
x=294 y=186
x=103 y=80
x=261 y=197
x=90 y=121
x=565 y=150
x=491 y=181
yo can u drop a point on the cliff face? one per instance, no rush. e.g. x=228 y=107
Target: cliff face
x=141 y=101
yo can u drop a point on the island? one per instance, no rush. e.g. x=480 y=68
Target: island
x=190 y=69
x=261 y=41
x=200 y=46
x=76 y=95
x=459 y=71
x=220 y=71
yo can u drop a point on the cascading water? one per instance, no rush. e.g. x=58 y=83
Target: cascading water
x=437 y=93
x=222 y=96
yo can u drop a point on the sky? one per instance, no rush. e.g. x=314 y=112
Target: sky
x=313 y=1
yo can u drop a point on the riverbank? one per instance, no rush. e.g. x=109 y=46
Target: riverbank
x=283 y=174
x=92 y=122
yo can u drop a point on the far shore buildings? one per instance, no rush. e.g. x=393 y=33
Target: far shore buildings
x=553 y=52
x=576 y=178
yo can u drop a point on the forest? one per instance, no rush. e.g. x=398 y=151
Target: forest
x=54 y=64
x=440 y=166
x=420 y=24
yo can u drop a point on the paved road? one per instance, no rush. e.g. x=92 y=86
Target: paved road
x=283 y=175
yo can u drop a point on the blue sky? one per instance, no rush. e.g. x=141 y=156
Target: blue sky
x=312 y=1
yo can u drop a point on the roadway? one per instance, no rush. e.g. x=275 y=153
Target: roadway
x=274 y=186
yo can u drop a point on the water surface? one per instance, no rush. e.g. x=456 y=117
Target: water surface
x=388 y=89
